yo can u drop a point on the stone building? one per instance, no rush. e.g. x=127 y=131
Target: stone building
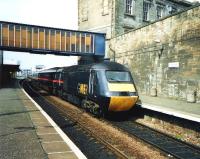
x=115 y=17
x=163 y=48
x=164 y=57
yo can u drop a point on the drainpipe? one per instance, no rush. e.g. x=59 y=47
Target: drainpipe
x=113 y=51
x=1 y=68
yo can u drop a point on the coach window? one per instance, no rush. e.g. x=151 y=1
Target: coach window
x=93 y=83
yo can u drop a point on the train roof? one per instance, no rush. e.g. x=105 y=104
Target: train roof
x=54 y=69
x=106 y=65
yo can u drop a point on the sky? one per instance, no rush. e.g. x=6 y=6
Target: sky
x=51 y=13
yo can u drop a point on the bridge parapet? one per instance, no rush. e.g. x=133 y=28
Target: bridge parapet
x=48 y=40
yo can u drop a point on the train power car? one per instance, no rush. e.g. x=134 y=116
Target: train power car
x=98 y=87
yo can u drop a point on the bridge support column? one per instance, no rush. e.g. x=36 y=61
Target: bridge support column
x=1 y=68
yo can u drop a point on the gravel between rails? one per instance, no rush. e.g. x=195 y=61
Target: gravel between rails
x=181 y=129
x=88 y=145
x=109 y=134
x=132 y=147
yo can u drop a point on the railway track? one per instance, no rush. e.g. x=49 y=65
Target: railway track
x=166 y=143
x=110 y=147
x=173 y=147
x=116 y=151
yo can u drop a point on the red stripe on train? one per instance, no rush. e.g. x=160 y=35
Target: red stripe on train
x=45 y=79
x=58 y=81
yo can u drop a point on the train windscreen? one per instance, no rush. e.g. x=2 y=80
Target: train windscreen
x=118 y=76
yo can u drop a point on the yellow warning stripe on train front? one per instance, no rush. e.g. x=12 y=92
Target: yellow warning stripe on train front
x=121 y=87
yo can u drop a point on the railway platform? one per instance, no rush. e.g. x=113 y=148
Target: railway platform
x=26 y=131
x=182 y=109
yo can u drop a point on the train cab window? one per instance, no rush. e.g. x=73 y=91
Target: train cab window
x=118 y=76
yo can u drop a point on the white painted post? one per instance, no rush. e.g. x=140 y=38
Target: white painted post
x=20 y=36
x=1 y=34
x=65 y=42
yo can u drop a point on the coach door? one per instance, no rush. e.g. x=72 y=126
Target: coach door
x=93 y=83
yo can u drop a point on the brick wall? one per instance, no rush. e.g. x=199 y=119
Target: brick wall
x=164 y=55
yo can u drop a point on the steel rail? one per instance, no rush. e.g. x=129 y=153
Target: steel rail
x=109 y=146
x=164 y=142
x=116 y=151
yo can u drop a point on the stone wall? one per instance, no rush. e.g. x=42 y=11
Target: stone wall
x=125 y=21
x=95 y=16
x=164 y=56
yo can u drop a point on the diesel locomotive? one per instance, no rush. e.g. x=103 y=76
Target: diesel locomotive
x=98 y=87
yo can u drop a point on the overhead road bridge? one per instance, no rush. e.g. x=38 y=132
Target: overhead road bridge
x=48 y=40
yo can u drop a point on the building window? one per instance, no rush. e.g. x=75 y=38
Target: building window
x=160 y=11
x=84 y=12
x=172 y=10
x=146 y=7
x=129 y=7
x=105 y=7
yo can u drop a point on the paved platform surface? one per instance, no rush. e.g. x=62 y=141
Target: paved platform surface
x=182 y=109
x=25 y=132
